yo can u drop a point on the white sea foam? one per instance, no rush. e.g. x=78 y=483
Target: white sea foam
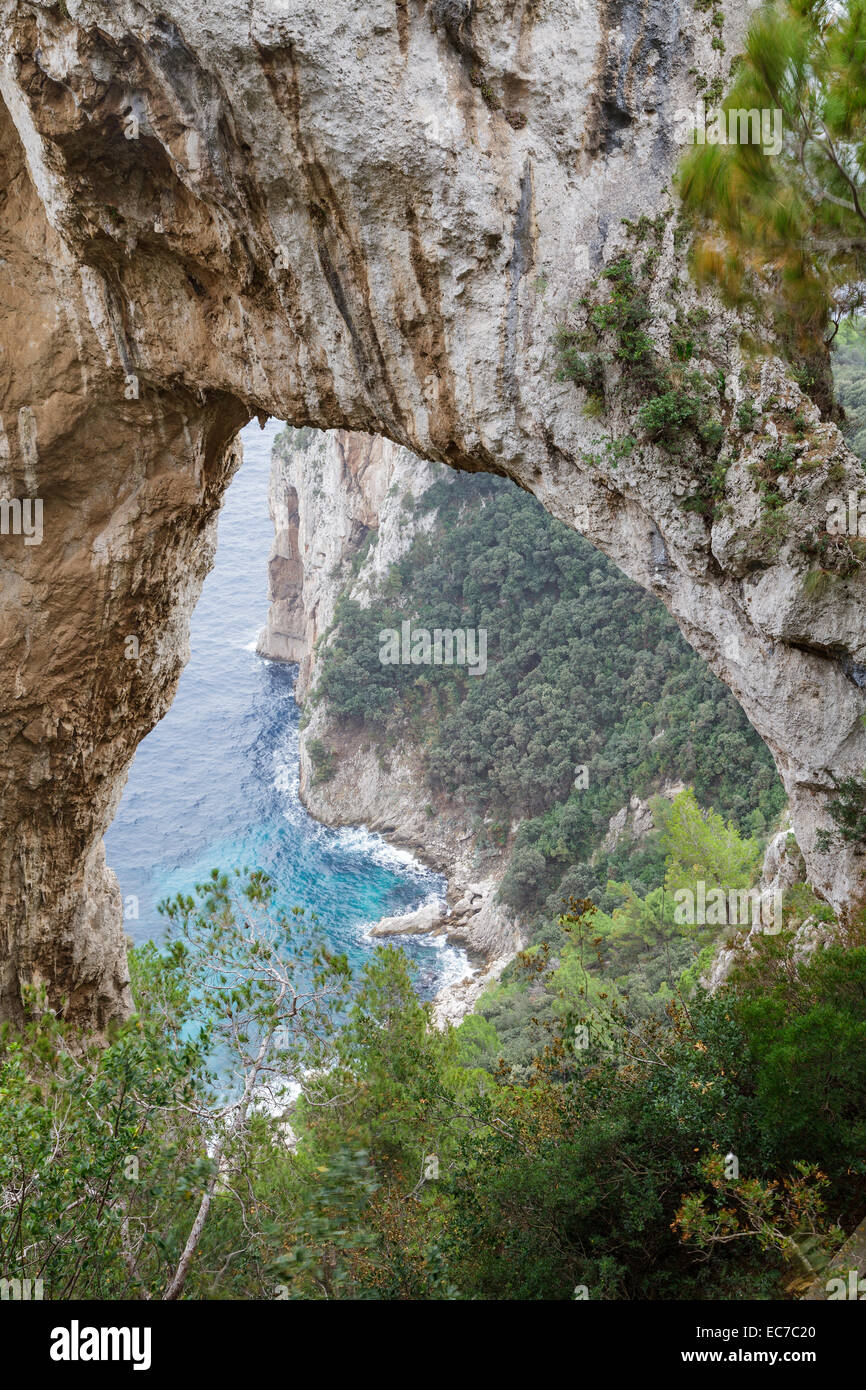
x=349 y=839
x=453 y=965
x=451 y=962
x=357 y=839
x=436 y=899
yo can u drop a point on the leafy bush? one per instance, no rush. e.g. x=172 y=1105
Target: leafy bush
x=413 y=1174
x=665 y=417
x=322 y=759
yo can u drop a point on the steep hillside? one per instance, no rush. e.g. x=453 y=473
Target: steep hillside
x=515 y=780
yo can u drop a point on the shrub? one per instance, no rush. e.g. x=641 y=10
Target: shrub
x=322 y=759
x=665 y=417
x=848 y=810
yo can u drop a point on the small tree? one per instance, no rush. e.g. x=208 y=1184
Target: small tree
x=791 y=219
x=702 y=845
x=104 y=1144
x=848 y=810
x=268 y=993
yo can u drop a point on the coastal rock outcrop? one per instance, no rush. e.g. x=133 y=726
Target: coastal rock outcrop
x=369 y=218
x=336 y=499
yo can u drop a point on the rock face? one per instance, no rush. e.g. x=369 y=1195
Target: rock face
x=341 y=506
x=335 y=499
x=635 y=821
x=783 y=867
x=360 y=217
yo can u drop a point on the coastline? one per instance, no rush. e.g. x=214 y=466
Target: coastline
x=336 y=501
x=393 y=807
x=468 y=917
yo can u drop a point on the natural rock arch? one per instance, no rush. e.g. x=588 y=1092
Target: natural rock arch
x=365 y=217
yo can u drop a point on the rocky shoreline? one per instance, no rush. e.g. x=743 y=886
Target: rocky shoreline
x=339 y=506
x=392 y=803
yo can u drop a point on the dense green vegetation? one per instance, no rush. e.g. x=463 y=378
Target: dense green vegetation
x=584 y=671
x=638 y=953
x=602 y=1126
x=414 y=1174
x=590 y=697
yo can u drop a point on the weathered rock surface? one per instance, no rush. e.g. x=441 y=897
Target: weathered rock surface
x=361 y=217
x=635 y=821
x=782 y=869
x=333 y=497
x=845 y=1275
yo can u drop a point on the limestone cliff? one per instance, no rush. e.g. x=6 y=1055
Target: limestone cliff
x=331 y=495
x=359 y=217
x=340 y=503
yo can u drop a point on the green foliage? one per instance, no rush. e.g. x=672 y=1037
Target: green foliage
x=624 y=314
x=792 y=220
x=672 y=404
x=583 y=670
x=353 y=681
x=584 y=369
x=130 y=1168
x=710 y=497
x=780 y=457
x=848 y=811
x=322 y=759
x=807 y=1036
x=386 y=1040
x=71 y=1121
x=615 y=332
x=701 y=845
x=413 y=1174
x=665 y=417
x=849 y=375
x=624 y=1158
x=478 y=1043
x=291 y=440
x=635 y=951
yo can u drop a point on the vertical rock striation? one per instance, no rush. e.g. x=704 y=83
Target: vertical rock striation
x=334 y=497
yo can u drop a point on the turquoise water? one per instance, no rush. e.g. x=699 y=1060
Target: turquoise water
x=216 y=782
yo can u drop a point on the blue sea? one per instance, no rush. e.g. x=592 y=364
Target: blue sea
x=215 y=784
